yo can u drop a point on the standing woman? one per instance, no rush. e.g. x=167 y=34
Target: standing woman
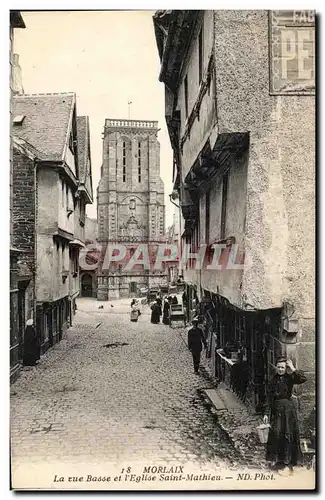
x=283 y=446
x=155 y=313
x=32 y=350
x=166 y=312
x=159 y=302
x=135 y=312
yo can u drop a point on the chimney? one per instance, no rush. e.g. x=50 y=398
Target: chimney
x=17 y=83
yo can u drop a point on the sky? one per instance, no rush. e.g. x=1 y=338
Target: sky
x=107 y=59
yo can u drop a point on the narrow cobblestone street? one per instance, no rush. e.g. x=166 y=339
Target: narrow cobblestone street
x=118 y=393
x=89 y=401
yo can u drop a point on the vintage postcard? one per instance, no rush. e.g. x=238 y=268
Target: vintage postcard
x=162 y=250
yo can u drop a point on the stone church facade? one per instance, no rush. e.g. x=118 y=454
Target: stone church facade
x=130 y=203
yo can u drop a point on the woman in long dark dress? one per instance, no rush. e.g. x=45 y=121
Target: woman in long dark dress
x=166 y=312
x=155 y=313
x=283 y=446
x=159 y=302
x=31 y=351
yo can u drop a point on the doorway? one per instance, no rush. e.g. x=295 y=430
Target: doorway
x=133 y=288
x=22 y=285
x=86 y=285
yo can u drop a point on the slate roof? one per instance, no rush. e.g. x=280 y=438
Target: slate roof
x=21 y=144
x=83 y=145
x=46 y=123
x=82 y=135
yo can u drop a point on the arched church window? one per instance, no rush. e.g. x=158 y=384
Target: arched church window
x=139 y=161
x=124 y=161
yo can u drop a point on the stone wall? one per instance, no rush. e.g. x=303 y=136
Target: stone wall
x=271 y=191
x=24 y=210
x=280 y=214
x=52 y=257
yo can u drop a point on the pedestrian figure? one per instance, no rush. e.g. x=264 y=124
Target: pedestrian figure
x=32 y=349
x=170 y=299
x=155 y=313
x=137 y=305
x=194 y=341
x=174 y=300
x=166 y=312
x=283 y=446
x=135 y=311
x=159 y=302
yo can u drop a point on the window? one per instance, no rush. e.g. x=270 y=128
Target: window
x=62 y=193
x=124 y=161
x=207 y=218
x=139 y=161
x=63 y=256
x=201 y=55
x=18 y=120
x=186 y=96
x=67 y=196
x=82 y=213
x=224 y=205
x=71 y=143
x=54 y=321
x=75 y=263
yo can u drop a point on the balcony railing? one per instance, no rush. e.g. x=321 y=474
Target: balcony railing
x=131 y=123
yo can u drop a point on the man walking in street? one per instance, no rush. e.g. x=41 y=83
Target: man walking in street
x=194 y=342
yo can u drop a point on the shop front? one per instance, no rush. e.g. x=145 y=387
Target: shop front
x=239 y=347
x=52 y=320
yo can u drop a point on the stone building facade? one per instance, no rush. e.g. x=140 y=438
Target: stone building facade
x=130 y=202
x=88 y=273
x=174 y=268
x=240 y=109
x=17 y=304
x=51 y=186
x=24 y=237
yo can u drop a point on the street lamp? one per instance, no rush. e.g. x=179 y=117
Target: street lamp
x=174 y=196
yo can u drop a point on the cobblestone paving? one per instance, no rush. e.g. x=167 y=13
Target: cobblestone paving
x=136 y=399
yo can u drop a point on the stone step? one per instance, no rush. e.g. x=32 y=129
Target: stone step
x=230 y=400
x=215 y=399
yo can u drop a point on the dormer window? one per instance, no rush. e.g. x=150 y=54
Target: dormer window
x=71 y=143
x=18 y=120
